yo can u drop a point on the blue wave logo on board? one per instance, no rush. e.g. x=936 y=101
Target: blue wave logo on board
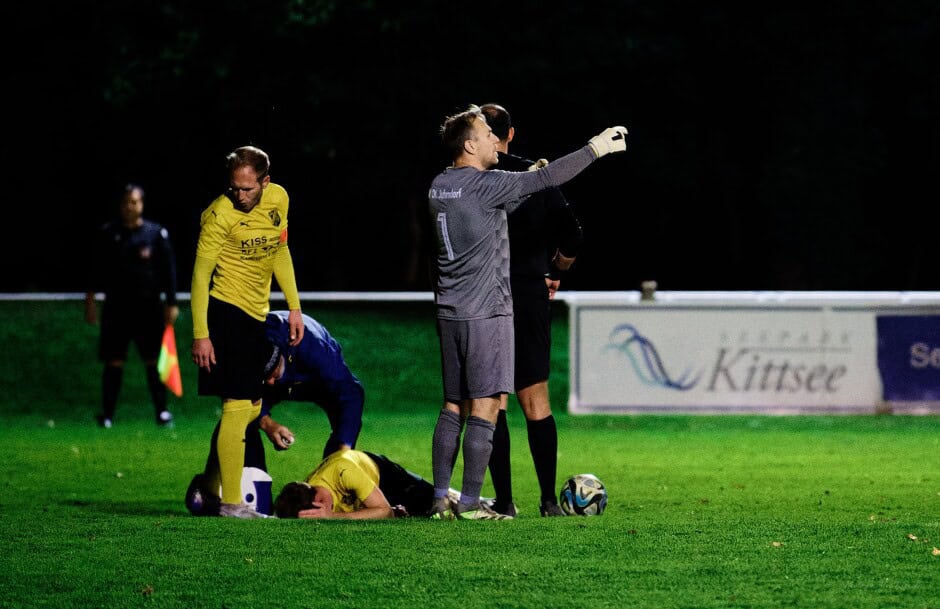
x=645 y=360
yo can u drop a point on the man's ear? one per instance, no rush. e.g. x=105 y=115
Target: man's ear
x=322 y=497
x=265 y=181
x=512 y=134
x=470 y=146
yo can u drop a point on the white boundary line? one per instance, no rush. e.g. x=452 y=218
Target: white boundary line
x=275 y=296
x=590 y=297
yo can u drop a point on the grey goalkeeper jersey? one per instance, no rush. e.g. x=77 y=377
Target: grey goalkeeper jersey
x=468 y=208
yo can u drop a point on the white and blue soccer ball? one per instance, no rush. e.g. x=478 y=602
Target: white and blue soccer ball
x=583 y=495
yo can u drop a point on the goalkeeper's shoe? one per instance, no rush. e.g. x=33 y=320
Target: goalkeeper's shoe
x=477 y=511
x=442 y=509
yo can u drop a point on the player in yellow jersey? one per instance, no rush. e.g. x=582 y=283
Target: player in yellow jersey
x=357 y=485
x=242 y=243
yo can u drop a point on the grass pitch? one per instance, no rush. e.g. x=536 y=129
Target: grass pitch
x=735 y=511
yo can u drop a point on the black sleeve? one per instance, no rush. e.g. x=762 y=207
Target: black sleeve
x=566 y=227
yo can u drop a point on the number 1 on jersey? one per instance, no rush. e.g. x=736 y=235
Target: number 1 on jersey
x=445 y=236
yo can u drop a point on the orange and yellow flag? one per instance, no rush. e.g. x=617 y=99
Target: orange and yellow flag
x=168 y=365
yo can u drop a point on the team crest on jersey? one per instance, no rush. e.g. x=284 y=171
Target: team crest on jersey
x=275 y=217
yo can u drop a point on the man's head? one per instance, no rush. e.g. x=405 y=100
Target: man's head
x=131 y=208
x=248 y=169
x=500 y=122
x=274 y=368
x=297 y=496
x=469 y=139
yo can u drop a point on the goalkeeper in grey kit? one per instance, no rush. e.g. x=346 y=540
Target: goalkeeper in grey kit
x=468 y=203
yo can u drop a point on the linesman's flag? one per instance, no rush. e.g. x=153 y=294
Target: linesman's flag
x=168 y=365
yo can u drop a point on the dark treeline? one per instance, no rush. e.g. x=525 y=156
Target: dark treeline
x=790 y=147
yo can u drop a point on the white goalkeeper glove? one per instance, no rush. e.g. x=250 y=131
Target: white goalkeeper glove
x=612 y=139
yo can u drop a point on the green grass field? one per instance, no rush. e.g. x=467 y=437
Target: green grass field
x=735 y=511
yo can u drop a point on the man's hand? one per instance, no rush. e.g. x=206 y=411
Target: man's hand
x=559 y=263
x=612 y=139
x=317 y=511
x=280 y=436
x=538 y=164
x=553 y=285
x=170 y=314
x=296 y=322
x=203 y=353
x=91 y=308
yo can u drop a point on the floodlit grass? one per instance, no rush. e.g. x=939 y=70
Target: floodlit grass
x=736 y=511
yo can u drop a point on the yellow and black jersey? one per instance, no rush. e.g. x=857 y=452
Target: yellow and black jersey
x=245 y=249
x=350 y=475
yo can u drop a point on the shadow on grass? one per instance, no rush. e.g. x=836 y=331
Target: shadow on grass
x=130 y=508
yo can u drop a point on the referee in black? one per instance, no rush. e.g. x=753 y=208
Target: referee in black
x=135 y=267
x=544 y=237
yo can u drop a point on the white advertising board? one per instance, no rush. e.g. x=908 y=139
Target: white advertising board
x=724 y=356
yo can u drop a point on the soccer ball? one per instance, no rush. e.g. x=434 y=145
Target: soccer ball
x=583 y=495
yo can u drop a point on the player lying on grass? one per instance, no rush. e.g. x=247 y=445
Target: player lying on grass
x=313 y=371
x=357 y=485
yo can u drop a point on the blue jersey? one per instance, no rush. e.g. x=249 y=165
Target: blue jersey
x=315 y=371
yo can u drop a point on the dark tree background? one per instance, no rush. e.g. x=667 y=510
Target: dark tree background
x=772 y=146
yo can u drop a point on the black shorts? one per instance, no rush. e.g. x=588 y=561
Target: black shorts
x=241 y=351
x=402 y=487
x=124 y=322
x=532 y=324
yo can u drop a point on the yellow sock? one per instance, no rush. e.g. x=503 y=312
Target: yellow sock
x=236 y=415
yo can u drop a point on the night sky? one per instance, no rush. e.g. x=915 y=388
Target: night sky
x=783 y=147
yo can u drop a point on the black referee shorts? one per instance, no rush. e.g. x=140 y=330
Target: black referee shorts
x=532 y=323
x=241 y=351
x=126 y=322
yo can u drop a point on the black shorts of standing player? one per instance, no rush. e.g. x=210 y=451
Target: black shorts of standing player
x=241 y=352
x=532 y=323
x=141 y=323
